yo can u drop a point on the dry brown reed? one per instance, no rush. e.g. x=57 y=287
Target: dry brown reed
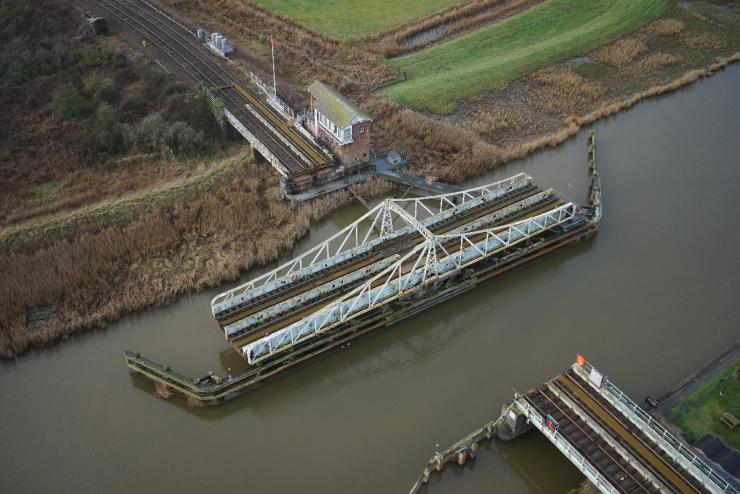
x=621 y=52
x=657 y=61
x=700 y=40
x=492 y=122
x=191 y=244
x=562 y=92
x=665 y=27
x=309 y=55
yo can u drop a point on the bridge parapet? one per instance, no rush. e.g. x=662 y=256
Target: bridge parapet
x=673 y=446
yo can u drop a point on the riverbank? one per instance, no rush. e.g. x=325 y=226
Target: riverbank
x=695 y=404
x=388 y=399
x=88 y=276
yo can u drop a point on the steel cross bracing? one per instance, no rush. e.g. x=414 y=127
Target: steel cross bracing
x=368 y=231
x=429 y=260
x=560 y=442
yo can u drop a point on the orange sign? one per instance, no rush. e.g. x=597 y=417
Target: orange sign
x=580 y=360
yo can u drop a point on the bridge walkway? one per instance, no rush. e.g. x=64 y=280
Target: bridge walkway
x=626 y=449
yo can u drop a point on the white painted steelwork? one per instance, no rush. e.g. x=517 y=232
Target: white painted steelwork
x=256 y=143
x=428 y=261
x=681 y=453
x=364 y=234
x=560 y=442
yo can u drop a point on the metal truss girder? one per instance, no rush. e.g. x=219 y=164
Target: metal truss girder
x=365 y=230
x=256 y=143
x=560 y=442
x=390 y=284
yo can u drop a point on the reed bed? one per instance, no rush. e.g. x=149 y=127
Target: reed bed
x=96 y=277
x=621 y=52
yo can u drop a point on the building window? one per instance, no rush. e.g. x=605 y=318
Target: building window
x=347 y=134
x=362 y=129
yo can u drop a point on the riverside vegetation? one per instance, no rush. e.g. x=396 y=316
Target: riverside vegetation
x=92 y=232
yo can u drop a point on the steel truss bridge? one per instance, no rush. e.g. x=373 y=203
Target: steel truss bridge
x=394 y=251
x=617 y=445
x=402 y=256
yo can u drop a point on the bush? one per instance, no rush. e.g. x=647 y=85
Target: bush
x=132 y=108
x=105 y=115
x=95 y=56
x=155 y=134
x=70 y=104
x=107 y=92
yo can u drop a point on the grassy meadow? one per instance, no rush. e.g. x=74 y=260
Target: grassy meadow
x=699 y=413
x=439 y=78
x=341 y=20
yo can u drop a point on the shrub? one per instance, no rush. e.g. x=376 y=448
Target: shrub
x=155 y=134
x=107 y=92
x=70 y=104
x=132 y=108
x=95 y=56
x=181 y=138
x=105 y=115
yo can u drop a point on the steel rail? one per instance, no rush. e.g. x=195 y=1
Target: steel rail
x=661 y=468
x=313 y=156
x=133 y=17
x=624 y=467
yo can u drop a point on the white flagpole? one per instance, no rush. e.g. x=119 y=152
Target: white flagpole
x=274 y=81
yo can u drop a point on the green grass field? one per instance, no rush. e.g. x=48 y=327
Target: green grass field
x=442 y=76
x=699 y=412
x=347 y=19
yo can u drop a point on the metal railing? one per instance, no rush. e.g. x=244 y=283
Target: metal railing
x=565 y=447
x=273 y=98
x=394 y=282
x=366 y=228
x=719 y=480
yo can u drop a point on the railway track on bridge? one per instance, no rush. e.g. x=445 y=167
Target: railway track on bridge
x=555 y=401
x=181 y=48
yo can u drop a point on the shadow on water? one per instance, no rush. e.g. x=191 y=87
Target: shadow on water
x=649 y=299
x=409 y=342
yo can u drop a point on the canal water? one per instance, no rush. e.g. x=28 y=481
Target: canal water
x=651 y=298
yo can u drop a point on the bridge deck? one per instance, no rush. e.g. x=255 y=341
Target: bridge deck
x=294 y=152
x=400 y=246
x=631 y=460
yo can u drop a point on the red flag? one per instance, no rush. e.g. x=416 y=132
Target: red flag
x=272 y=42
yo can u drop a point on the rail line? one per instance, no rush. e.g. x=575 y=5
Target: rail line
x=611 y=418
x=188 y=54
x=360 y=263
x=613 y=442
x=285 y=319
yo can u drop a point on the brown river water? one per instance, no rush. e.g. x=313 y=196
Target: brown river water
x=651 y=298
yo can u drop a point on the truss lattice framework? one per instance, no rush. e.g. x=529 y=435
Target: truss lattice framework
x=376 y=225
x=438 y=257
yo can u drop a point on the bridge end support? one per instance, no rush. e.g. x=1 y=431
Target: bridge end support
x=513 y=425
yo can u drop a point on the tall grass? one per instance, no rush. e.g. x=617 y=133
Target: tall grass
x=444 y=25
x=341 y=20
x=439 y=78
x=306 y=54
x=191 y=243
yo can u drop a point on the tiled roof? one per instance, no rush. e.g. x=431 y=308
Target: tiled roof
x=335 y=106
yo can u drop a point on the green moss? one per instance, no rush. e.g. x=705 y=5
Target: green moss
x=700 y=412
